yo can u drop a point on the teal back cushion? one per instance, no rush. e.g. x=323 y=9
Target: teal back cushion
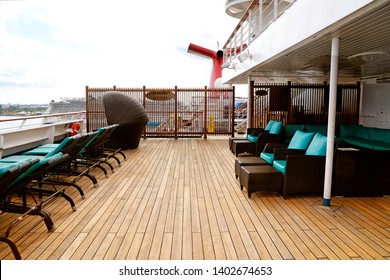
x=290 y=129
x=323 y=129
x=269 y=125
x=300 y=140
x=349 y=130
x=364 y=133
x=317 y=146
x=380 y=135
x=276 y=128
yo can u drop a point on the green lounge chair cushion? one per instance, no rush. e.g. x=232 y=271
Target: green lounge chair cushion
x=5 y=166
x=19 y=158
x=34 y=167
x=49 y=151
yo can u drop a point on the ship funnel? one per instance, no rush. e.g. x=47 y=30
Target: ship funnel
x=215 y=56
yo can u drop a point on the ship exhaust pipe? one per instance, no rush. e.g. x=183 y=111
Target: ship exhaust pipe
x=217 y=59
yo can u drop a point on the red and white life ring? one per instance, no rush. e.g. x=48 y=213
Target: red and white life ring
x=74 y=129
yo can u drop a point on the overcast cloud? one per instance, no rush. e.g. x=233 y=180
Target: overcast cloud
x=53 y=49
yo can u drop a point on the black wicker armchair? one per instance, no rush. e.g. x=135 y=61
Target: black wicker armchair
x=303 y=173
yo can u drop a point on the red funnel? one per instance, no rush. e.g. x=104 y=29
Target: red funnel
x=215 y=56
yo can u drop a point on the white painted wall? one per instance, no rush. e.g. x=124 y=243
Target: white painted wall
x=375 y=105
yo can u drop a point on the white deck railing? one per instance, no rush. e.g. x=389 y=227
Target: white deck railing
x=22 y=133
x=260 y=14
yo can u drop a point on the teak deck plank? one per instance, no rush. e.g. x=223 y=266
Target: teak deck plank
x=179 y=199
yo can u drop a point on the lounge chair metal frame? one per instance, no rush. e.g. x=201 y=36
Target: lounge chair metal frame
x=22 y=180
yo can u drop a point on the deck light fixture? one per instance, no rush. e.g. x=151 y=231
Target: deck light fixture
x=368 y=57
x=244 y=56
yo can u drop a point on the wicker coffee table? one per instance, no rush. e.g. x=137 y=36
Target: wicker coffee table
x=260 y=178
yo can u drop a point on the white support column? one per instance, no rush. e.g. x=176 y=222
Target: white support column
x=249 y=105
x=260 y=16
x=275 y=9
x=331 y=120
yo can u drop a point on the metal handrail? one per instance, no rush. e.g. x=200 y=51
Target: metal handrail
x=259 y=15
x=45 y=117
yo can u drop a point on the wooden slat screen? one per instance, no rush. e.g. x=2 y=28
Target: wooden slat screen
x=172 y=112
x=304 y=103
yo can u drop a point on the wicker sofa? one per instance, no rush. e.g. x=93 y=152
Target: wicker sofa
x=365 y=137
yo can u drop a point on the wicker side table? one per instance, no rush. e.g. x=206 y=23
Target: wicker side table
x=260 y=178
x=246 y=161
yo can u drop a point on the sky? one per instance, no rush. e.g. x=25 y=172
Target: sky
x=53 y=49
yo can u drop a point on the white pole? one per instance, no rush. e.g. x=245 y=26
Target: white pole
x=331 y=120
x=249 y=104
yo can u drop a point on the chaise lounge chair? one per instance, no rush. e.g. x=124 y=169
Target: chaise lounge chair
x=21 y=180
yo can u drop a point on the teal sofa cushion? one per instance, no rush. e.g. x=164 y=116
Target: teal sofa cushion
x=322 y=129
x=268 y=157
x=252 y=138
x=269 y=125
x=380 y=135
x=300 y=140
x=366 y=137
x=290 y=129
x=317 y=146
x=280 y=165
x=381 y=146
x=364 y=133
x=276 y=128
x=349 y=130
x=359 y=142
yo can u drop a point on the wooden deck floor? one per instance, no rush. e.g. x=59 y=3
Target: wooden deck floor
x=179 y=199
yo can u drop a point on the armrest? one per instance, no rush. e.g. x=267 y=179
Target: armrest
x=302 y=165
x=254 y=131
x=283 y=153
x=264 y=139
x=304 y=174
x=269 y=147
